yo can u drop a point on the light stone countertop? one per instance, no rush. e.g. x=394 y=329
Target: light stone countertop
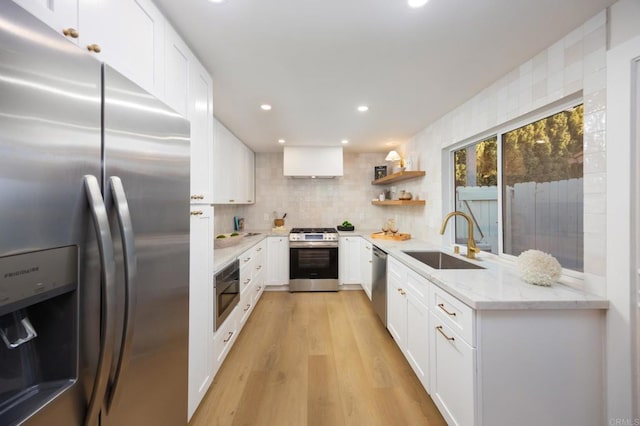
x=496 y=287
x=224 y=256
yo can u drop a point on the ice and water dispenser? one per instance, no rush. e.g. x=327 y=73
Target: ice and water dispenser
x=38 y=329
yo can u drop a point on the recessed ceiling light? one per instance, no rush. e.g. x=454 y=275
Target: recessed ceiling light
x=265 y=107
x=417 y=3
x=216 y=1
x=363 y=108
x=345 y=141
x=281 y=141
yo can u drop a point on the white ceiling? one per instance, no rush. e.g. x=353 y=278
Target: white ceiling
x=316 y=61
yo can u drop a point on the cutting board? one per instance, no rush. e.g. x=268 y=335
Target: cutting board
x=397 y=237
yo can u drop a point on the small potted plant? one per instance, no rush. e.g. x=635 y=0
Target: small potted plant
x=346 y=226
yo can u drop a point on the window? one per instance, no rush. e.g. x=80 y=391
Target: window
x=540 y=185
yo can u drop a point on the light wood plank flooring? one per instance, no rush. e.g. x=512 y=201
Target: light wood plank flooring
x=315 y=359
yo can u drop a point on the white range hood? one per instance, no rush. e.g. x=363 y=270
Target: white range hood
x=313 y=161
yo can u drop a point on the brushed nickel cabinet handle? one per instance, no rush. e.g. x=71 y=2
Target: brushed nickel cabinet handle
x=439 y=328
x=441 y=306
x=197 y=197
x=232 y=201
x=247 y=259
x=247 y=308
x=228 y=338
x=70 y=32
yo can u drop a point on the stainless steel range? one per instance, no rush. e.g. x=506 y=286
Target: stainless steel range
x=313 y=264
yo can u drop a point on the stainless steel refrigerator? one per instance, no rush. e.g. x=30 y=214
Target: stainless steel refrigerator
x=94 y=239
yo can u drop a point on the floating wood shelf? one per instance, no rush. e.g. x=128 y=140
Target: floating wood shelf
x=397 y=177
x=399 y=203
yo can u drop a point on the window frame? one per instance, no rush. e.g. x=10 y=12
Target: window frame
x=569 y=276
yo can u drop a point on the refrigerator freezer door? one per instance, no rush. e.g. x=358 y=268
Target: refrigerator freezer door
x=50 y=138
x=146 y=146
x=50 y=119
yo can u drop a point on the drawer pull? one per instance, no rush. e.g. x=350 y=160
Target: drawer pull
x=259 y=249
x=258 y=267
x=441 y=306
x=197 y=213
x=258 y=288
x=247 y=308
x=228 y=338
x=247 y=281
x=247 y=259
x=439 y=328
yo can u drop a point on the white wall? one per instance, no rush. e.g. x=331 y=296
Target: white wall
x=574 y=64
x=311 y=202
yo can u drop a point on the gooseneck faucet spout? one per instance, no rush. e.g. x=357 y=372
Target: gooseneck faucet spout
x=472 y=249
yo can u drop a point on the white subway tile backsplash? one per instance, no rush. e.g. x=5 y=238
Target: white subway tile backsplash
x=594 y=142
x=598 y=21
x=595 y=162
x=595 y=183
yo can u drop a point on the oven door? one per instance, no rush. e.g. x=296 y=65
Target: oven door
x=313 y=268
x=227 y=290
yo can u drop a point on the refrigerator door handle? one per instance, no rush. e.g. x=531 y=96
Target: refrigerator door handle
x=108 y=307
x=130 y=271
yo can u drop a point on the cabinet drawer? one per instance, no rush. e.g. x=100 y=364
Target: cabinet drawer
x=224 y=337
x=395 y=268
x=418 y=286
x=455 y=314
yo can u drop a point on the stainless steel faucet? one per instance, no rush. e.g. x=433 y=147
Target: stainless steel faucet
x=472 y=249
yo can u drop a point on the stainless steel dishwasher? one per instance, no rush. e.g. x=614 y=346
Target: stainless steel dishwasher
x=379 y=284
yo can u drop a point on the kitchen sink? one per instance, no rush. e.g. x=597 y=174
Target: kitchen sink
x=251 y=234
x=439 y=260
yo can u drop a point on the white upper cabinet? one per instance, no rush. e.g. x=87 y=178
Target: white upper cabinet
x=201 y=116
x=127 y=34
x=60 y=15
x=233 y=168
x=176 y=55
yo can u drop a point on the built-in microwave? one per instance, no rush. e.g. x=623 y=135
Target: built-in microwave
x=226 y=286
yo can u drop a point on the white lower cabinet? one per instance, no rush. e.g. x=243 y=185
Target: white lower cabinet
x=408 y=316
x=366 y=262
x=498 y=367
x=452 y=374
x=200 y=305
x=252 y=266
x=349 y=260
x=277 y=261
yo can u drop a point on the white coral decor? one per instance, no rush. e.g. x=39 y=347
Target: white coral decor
x=539 y=268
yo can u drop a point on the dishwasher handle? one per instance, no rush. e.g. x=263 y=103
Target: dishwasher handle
x=379 y=253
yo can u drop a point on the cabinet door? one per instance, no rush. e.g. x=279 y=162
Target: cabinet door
x=200 y=305
x=277 y=261
x=224 y=177
x=349 y=260
x=248 y=173
x=396 y=309
x=58 y=14
x=417 y=343
x=452 y=371
x=130 y=35
x=177 y=57
x=366 y=256
x=200 y=115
